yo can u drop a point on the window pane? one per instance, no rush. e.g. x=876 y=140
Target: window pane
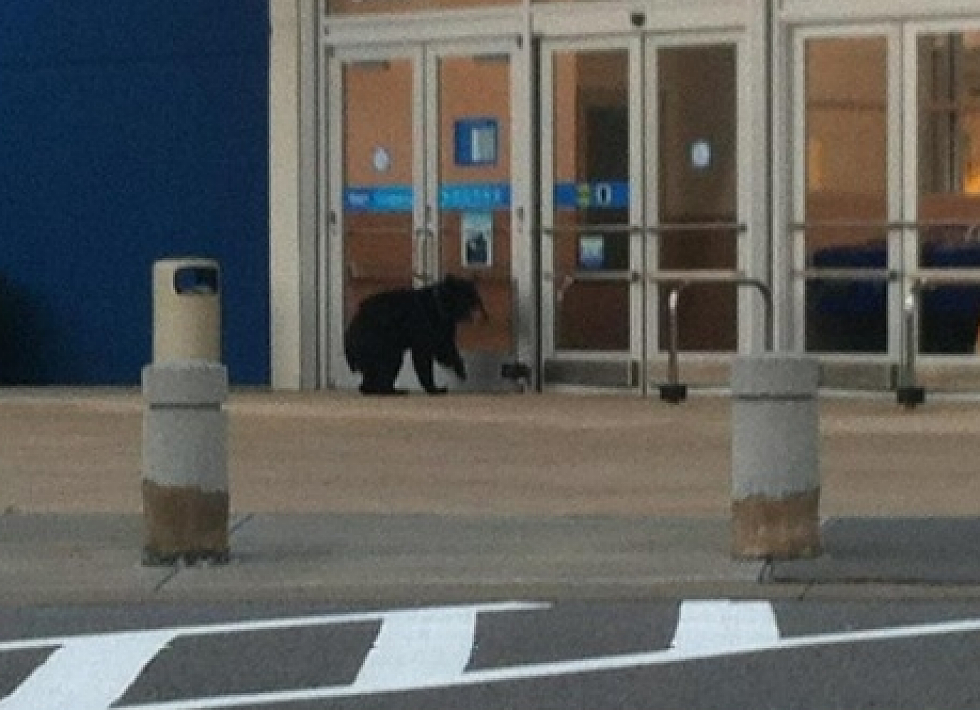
x=846 y=182
x=949 y=186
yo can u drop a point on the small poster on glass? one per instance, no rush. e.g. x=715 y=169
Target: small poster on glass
x=591 y=251
x=477 y=239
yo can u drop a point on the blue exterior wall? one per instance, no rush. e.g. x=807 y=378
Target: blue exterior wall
x=130 y=130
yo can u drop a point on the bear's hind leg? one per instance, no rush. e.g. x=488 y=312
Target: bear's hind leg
x=380 y=377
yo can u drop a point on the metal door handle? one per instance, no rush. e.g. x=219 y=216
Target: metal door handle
x=423 y=235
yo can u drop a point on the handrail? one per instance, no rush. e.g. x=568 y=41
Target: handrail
x=682 y=227
x=673 y=391
x=667 y=228
x=845 y=274
x=952 y=275
x=681 y=277
x=872 y=224
x=908 y=392
x=920 y=279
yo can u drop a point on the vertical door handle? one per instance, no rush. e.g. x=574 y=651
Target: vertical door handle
x=423 y=237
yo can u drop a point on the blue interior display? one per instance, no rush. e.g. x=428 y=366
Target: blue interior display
x=475 y=141
x=851 y=314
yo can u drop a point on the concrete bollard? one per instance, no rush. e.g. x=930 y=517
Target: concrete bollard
x=775 y=462
x=185 y=469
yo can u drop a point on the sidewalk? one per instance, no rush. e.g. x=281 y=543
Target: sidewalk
x=336 y=497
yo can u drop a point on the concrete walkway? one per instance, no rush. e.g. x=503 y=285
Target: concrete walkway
x=343 y=498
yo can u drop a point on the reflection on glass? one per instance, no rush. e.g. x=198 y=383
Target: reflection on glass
x=949 y=186
x=591 y=133
x=845 y=183
x=474 y=189
x=377 y=179
x=698 y=179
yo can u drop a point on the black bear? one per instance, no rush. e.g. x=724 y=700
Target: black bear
x=422 y=320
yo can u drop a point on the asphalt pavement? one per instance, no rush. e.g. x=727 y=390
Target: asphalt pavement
x=341 y=498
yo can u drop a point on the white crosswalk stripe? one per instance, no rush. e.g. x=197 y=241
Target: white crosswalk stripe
x=706 y=626
x=414 y=650
x=88 y=673
x=426 y=648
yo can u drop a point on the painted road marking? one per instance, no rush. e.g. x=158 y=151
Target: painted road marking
x=93 y=672
x=706 y=626
x=435 y=645
x=300 y=622
x=89 y=673
x=419 y=649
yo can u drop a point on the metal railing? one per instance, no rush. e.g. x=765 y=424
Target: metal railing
x=673 y=391
x=680 y=279
x=908 y=392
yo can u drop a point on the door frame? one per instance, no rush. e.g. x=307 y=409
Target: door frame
x=424 y=43
x=900 y=24
x=963 y=368
x=646 y=356
x=752 y=240
x=548 y=48
x=793 y=188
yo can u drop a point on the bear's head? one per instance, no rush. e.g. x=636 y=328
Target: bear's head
x=460 y=298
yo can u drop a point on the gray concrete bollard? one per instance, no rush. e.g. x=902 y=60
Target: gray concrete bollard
x=185 y=462
x=775 y=461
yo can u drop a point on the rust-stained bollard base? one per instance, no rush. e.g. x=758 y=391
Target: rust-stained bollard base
x=184 y=523
x=778 y=529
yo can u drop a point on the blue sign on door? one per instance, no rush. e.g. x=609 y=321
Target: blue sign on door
x=455 y=196
x=475 y=141
x=600 y=194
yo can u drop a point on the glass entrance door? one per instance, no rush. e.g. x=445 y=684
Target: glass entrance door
x=947 y=197
x=591 y=167
x=847 y=200
x=381 y=220
x=886 y=202
x=420 y=156
x=640 y=196
x=699 y=229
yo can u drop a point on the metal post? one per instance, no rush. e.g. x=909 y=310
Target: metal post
x=908 y=393
x=516 y=370
x=674 y=392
